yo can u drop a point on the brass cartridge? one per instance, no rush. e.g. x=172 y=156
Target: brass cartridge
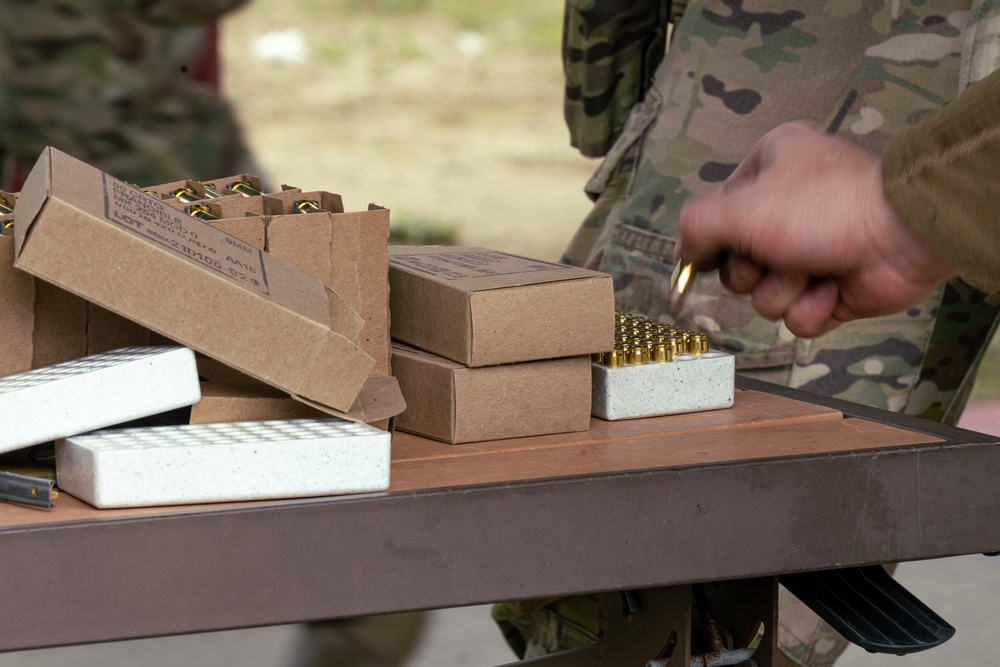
x=244 y=188
x=210 y=191
x=698 y=344
x=200 y=211
x=681 y=281
x=638 y=355
x=185 y=194
x=613 y=359
x=307 y=206
x=6 y=206
x=661 y=353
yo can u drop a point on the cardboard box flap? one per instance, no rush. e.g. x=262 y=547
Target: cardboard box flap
x=33 y=196
x=380 y=398
x=402 y=349
x=126 y=251
x=476 y=269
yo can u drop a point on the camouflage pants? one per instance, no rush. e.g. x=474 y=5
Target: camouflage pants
x=540 y=627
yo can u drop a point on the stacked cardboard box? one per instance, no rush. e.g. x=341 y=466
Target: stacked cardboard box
x=489 y=345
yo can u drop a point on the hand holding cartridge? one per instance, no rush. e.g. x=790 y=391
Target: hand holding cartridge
x=804 y=227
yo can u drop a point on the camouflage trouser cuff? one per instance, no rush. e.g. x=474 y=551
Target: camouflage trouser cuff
x=540 y=631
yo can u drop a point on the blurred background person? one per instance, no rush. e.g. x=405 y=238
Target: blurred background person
x=127 y=86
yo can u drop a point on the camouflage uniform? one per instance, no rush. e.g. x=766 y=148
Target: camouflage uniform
x=108 y=81
x=736 y=69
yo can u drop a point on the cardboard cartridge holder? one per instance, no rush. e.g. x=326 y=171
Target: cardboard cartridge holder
x=135 y=255
x=482 y=307
x=456 y=404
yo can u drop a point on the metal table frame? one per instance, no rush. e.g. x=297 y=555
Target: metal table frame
x=290 y=561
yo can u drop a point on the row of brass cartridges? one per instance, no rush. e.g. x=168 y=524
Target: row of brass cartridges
x=244 y=188
x=640 y=341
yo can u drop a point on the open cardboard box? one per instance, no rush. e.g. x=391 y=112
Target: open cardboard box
x=108 y=242
x=482 y=307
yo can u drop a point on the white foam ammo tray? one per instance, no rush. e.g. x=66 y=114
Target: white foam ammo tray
x=175 y=465
x=689 y=383
x=95 y=392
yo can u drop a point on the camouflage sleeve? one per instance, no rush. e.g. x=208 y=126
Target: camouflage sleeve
x=941 y=175
x=611 y=49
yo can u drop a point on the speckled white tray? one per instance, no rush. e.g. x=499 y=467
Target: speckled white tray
x=94 y=392
x=689 y=383
x=176 y=465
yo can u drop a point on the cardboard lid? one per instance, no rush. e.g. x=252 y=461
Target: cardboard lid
x=472 y=269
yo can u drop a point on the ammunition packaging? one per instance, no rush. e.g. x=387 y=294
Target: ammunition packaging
x=6 y=206
x=210 y=191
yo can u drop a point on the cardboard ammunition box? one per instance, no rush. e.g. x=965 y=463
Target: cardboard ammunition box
x=456 y=404
x=482 y=307
x=109 y=243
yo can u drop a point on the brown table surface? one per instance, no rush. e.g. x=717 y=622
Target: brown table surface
x=780 y=482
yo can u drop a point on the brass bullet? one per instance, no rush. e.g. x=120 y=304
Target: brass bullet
x=680 y=284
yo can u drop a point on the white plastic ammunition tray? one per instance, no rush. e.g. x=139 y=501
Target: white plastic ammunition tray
x=689 y=383
x=94 y=392
x=659 y=369
x=173 y=465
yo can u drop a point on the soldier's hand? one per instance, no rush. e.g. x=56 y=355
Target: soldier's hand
x=803 y=226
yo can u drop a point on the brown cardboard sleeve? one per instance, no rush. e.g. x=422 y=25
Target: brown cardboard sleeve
x=482 y=307
x=17 y=315
x=115 y=246
x=454 y=403
x=230 y=396
x=347 y=252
